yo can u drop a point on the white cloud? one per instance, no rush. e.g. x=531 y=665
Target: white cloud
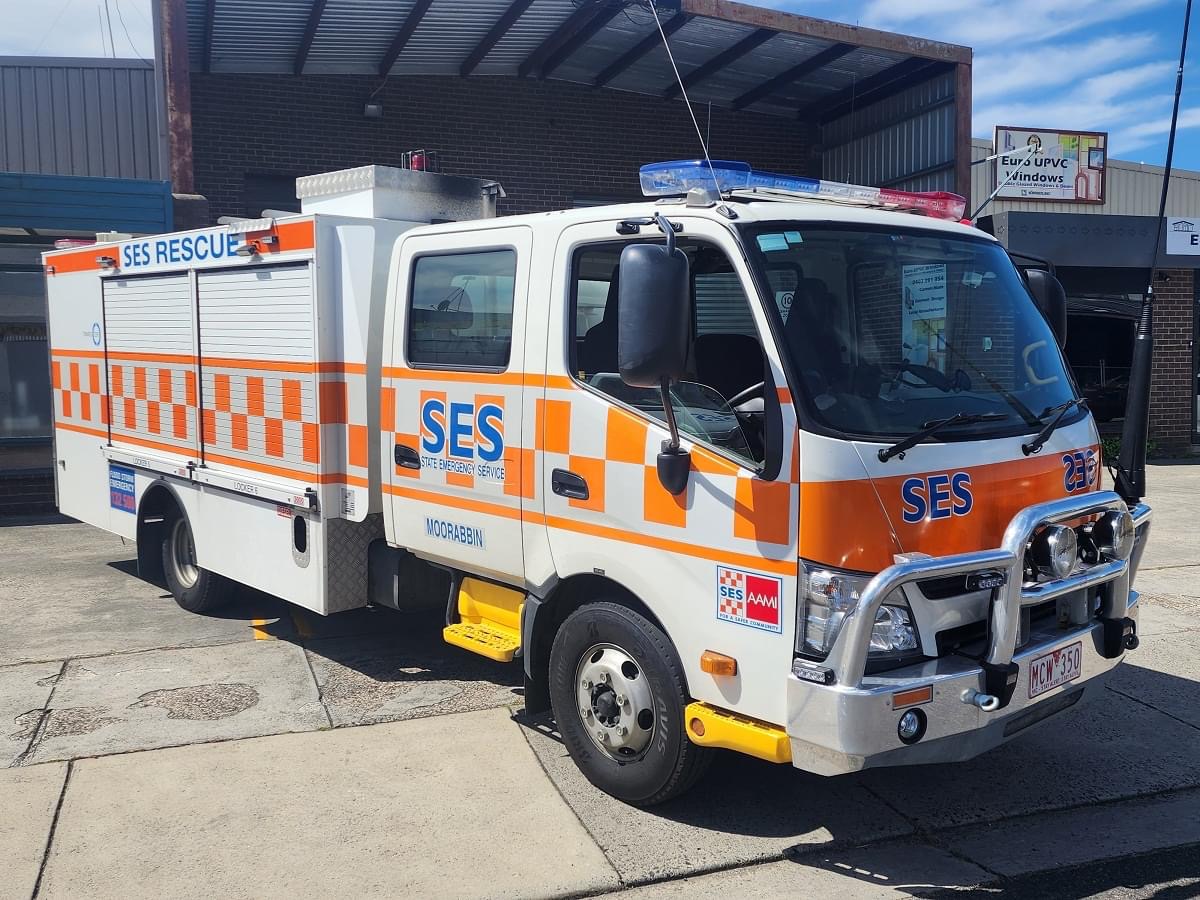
x=992 y=24
x=1009 y=73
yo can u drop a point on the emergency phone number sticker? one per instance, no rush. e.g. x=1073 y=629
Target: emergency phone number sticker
x=748 y=598
x=120 y=488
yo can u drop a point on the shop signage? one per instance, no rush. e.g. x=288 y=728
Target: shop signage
x=1183 y=236
x=1068 y=167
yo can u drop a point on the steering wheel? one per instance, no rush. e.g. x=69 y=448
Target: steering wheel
x=755 y=390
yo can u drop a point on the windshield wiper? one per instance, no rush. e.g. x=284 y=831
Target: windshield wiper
x=932 y=428
x=1059 y=412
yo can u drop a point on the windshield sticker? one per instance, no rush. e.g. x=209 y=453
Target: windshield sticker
x=1080 y=469
x=770 y=242
x=747 y=598
x=936 y=497
x=924 y=313
x=793 y=237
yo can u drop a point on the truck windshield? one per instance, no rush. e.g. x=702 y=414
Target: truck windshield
x=890 y=330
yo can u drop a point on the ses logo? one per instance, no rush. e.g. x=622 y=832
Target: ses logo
x=747 y=598
x=467 y=438
x=936 y=497
x=1080 y=470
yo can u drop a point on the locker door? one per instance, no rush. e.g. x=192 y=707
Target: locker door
x=151 y=363
x=257 y=371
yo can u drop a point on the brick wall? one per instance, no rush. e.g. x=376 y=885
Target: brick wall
x=1172 y=385
x=549 y=143
x=26 y=495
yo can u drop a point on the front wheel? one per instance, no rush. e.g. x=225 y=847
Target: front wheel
x=618 y=693
x=195 y=589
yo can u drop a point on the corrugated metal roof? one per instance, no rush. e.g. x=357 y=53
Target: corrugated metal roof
x=78 y=117
x=353 y=36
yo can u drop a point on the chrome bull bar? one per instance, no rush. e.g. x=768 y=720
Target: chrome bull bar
x=848 y=657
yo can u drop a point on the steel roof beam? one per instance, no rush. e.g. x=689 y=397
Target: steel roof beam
x=602 y=16
x=640 y=49
x=310 y=32
x=879 y=86
x=407 y=27
x=506 y=21
x=574 y=23
x=752 y=41
x=794 y=74
x=210 y=11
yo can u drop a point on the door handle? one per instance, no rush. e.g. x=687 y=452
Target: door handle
x=568 y=484
x=407 y=457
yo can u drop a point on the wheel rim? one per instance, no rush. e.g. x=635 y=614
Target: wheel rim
x=616 y=704
x=183 y=554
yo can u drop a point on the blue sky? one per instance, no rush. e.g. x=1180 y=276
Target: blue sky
x=1108 y=65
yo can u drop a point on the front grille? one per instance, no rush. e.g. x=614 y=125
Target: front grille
x=971 y=640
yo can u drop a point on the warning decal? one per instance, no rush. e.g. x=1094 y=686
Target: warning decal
x=747 y=598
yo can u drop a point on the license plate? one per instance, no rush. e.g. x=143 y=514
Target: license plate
x=1055 y=668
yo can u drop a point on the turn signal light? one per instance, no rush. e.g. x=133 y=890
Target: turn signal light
x=717 y=663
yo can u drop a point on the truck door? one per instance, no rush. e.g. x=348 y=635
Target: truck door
x=451 y=400
x=717 y=564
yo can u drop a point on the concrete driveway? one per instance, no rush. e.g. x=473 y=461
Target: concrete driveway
x=148 y=752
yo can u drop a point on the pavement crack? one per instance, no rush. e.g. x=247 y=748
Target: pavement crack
x=1142 y=702
x=316 y=683
x=62 y=794
x=44 y=719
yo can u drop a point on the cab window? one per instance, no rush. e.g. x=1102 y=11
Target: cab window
x=726 y=361
x=461 y=309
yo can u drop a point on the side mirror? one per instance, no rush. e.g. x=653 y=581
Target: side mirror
x=653 y=309
x=1051 y=300
x=653 y=327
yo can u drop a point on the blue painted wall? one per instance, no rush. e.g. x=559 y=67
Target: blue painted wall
x=56 y=203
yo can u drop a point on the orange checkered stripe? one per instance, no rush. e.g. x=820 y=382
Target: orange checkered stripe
x=260 y=418
x=342 y=415
x=619 y=467
x=153 y=404
x=80 y=400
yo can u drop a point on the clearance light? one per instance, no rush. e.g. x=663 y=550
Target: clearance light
x=717 y=663
x=677 y=177
x=914 y=697
x=106 y=262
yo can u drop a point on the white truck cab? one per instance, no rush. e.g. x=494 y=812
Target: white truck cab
x=763 y=463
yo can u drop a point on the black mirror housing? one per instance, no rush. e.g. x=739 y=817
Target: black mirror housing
x=653 y=314
x=1051 y=299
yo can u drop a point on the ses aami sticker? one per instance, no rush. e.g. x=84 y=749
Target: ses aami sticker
x=120 y=488
x=747 y=598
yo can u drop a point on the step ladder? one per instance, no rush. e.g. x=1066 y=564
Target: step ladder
x=489 y=620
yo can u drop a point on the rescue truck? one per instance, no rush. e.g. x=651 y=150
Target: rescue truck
x=765 y=463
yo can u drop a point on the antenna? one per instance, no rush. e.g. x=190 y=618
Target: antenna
x=1031 y=149
x=687 y=102
x=1130 y=474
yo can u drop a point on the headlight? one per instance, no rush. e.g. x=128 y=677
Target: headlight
x=1113 y=534
x=1055 y=550
x=828 y=596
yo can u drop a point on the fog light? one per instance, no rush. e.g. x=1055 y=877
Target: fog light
x=1114 y=534
x=912 y=726
x=1055 y=551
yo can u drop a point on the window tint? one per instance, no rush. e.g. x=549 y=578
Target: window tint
x=725 y=354
x=461 y=309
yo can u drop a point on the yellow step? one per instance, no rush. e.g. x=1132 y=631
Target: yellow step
x=709 y=726
x=490 y=620
x=486 y=640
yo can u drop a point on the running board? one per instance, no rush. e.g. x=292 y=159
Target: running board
x=489 y=620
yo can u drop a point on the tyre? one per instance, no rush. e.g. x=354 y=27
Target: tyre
x=618 y=694
x=195 y=589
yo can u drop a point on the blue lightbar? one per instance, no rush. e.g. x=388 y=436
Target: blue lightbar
x=676 y=177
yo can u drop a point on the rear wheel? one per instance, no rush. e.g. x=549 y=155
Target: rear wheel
x=618 y=693
x=195 y=589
